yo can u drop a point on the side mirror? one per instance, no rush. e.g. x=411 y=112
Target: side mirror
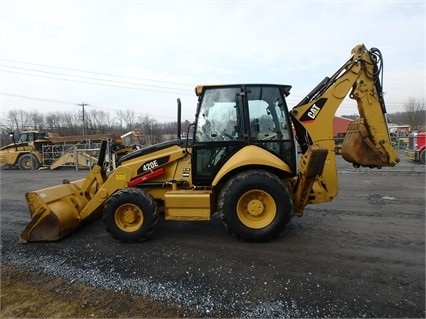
x=12 y=137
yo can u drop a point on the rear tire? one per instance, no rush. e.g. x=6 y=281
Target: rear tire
x=255 y=206
x=130 y=215
x=422 y=157
x=28 y=162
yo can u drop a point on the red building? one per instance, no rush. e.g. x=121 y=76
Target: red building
x=340 y=125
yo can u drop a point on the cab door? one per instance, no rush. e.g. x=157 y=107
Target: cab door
x=219 y=131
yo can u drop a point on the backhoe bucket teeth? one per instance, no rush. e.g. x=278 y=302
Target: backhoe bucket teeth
x=362 y=148
x=55 y=211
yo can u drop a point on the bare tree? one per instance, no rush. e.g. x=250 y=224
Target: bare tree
x=12 y=120
x=151 y=132
x=37 y=120
x=52 y=121
x=69 y=123
x=99 y=121
x=414 y=113
x=128 y=117
x=18 y=120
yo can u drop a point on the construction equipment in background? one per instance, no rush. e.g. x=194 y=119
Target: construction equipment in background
x=399 y=135
x=338 y=142
x=416 y=149
x=131 y=141
x=240 y=162
x=133 y=138
x=37 y=149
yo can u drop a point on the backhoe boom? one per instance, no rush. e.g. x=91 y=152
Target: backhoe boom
x=367 y=142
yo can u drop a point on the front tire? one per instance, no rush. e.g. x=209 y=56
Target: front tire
x=255 y=206
x=130 y=215
x=28 y=162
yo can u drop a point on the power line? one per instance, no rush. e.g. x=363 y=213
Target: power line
x=35 y=98
x=99 y=84
x=86 y=77
x=92 y=72
x=388 y=104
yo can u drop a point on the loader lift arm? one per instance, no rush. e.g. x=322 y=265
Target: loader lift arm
x=367 y=142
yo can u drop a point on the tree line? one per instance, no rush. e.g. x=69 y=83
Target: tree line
x=97 y=121
x=69 y=123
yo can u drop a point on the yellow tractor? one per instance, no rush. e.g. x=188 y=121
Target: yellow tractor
x=38 y=149
x=26 y=153
x=239 y=161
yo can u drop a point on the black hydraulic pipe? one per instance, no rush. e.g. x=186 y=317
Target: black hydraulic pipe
x=379 y=89
x=102 y=153
x=179 y=116
x=311 y=94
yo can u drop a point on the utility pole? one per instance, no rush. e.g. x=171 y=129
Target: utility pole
x=84 y=122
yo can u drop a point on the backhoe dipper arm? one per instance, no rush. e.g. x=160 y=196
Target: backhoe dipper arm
x=367 y=141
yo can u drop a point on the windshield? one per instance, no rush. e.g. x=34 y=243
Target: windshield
x=218 y=118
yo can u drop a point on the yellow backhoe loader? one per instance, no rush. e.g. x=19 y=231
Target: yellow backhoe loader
x=240 y=161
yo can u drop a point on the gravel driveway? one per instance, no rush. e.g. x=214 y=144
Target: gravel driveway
x=362 y=255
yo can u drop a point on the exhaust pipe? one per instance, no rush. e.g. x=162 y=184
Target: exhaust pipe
x=179 y=118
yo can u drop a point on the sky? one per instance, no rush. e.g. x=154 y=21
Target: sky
x=143 y=55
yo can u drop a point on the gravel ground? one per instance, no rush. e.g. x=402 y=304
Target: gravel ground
x=362 y=255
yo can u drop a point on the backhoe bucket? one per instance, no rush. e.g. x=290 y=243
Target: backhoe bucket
x=55 y=212
x=364 y=147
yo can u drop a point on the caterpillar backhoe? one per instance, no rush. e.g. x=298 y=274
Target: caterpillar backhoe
x=239 y=159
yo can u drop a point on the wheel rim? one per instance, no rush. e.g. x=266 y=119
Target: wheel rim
x=256 y=209
x=129 y=217
x=27 y=163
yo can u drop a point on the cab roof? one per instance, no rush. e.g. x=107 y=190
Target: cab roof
x=199 y=89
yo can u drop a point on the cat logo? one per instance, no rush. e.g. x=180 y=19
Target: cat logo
x=313 y=111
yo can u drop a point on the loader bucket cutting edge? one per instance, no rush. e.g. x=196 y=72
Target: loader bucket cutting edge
x=55 y=212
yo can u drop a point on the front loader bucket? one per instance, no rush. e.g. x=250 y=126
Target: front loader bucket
x=55 y=212
x=364 y=147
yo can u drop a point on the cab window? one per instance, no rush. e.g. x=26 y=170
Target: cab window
x=267 y=116
x=219 y=118
x=26 y=137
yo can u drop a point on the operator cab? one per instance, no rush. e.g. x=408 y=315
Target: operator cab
x=32 y=136
x=231 y=117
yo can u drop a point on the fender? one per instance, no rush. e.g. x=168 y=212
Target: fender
x=251 y=155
